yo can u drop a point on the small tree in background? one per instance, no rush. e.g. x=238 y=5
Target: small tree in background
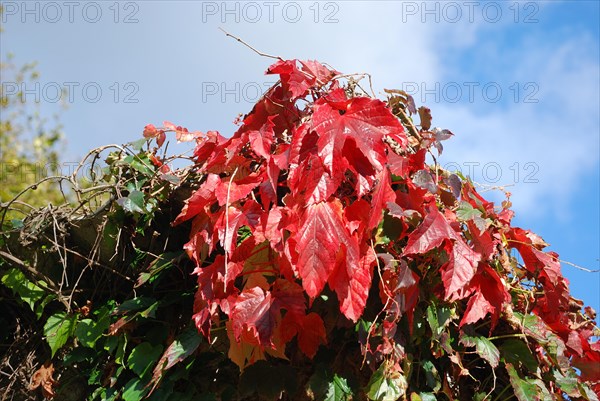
x=29 y=145
x=328 y=261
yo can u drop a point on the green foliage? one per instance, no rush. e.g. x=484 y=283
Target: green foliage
x=58 y=329
x=30 y=293
x=29 y=143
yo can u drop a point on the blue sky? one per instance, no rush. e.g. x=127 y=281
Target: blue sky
x=517 y=82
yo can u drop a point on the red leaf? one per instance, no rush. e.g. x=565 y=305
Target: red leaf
x=430 y=234
x=203 y=197
x=321 y=73
x=262 y=140
x=477 y=308
x=543 y=265
x=227 y=226
x=318 y=242
x=150 y=131
x=211 y=280
x=289 y=296
x=252 y=317
x=382 y=194
x=312 y=334
x=462 y=263
x=352 y=277
x=364 y=120
x=296 y=82
x=490 y=297
x=312 y=181
x=233 y=191
x=459 y=270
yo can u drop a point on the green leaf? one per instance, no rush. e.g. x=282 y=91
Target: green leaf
x=58 y=329
x=267 y=380
x=432 y=376
x=525 y=390
x=516 y=352
x=338 y=390
x=17 y=224
x=182 y=347
x=134 y=202
x=386 y=386
x=484 y=348
x=29 y=292
x=134 y=304
x=466 y=212
x=142 y=357
x=121 y=347
x=79 y=354
x=134 y=390
x=480 y=396
x=423 y=397
x=40 y=306
x=89 y=331
x=568 y=383
x=139 y=144
x=438 y=318
x=140 y=162
x=163 y=262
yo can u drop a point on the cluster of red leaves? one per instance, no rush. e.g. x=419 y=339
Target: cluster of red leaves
x=297 y=198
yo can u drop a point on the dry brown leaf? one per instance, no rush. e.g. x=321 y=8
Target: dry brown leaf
x=43 y=378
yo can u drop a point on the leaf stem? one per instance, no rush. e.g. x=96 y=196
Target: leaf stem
x=507 y=336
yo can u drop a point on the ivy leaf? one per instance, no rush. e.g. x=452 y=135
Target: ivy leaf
x=423 y=179
x=134 y=202
x=460 y=269
x=423 y=397
x=338 y=390
x=134 y=390
x=516 y=352
x=89 y=331
x=312 y=334
x=58 y=328
x=525 y=390
x=462 y=263
x=438 y=318
x=429 y=234
x=252 y=315
x=134 y=304
x=466 y=211
x=363 y=120
x=432 y=376
x=323 y=385
x=484 y=348
x=29 y=292
x=143 y=357
x=386 y=385
x=382 y=194
x=318 y=242
x=183 y=346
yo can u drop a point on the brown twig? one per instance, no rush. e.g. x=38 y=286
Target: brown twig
x=248 y=46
